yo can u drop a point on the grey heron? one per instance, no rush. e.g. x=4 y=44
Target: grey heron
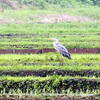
x=61 y=49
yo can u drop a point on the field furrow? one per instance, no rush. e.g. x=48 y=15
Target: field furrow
x=44 y=73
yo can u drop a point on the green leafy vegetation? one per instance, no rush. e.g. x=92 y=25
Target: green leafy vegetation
x=49 y=61
x=49 y=67
x=71 y=27
x=45 y=4
x=76 y=23
x=49 y=84
x=54 y=77
x=36 y=36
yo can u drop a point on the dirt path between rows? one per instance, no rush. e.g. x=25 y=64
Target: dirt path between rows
x=47 y=19
x=44 y=73
x=54 y=98
x=56 y=18
x=46 y=50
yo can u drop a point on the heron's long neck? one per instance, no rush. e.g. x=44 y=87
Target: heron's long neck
x=56 y=42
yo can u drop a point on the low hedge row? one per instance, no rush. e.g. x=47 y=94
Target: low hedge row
x=50 y=85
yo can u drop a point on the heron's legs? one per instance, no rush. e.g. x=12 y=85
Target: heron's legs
x=60 y=59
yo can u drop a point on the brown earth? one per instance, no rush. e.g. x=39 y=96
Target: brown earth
x=55 y=98
x=48 y=18
x=56 y=18
x=46 y=50
x=10 y=21
x=44 y=73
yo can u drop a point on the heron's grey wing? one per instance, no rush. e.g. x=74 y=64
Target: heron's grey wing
x=61 y=48
x=63 y=51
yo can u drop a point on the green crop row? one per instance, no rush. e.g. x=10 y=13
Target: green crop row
x=39 y=45
x=49 y=84
x=53 y=59
x=36 y=41
x=68 y=27
x=53 y=77
x=34 y=36
x=56 y=66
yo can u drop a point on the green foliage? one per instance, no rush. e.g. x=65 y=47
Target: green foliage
x=60 y=3
x=44 y=62
x=47 y=84
x=72 y=35
x=91 y=2
x=49 y=4
x=33 y=35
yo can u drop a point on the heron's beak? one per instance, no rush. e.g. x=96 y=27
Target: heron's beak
x=50 y=38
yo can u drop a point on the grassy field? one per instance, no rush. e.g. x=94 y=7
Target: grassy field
x=49 y=83
x=36 y=36
x=30 y=33
x=50 y=72
x=29 y=14
x=49 y=61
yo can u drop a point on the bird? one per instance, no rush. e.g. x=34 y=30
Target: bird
x=60 y=48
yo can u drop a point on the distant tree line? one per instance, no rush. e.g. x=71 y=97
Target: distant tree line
x=59 y=2
x=44 y=3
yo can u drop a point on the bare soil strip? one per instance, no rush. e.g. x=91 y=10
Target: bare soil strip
x=55 y=18
x=48 y=18
x=44 y=73
x=46 y=50
x=53 y=98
